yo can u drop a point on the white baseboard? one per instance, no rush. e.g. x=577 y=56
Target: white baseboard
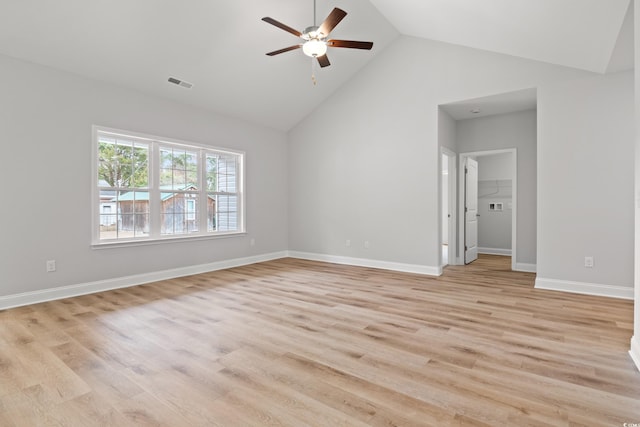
x=527 y=268
x=27 y=298
x=635 y=350
x=494 y=251
x=371 y=263
x=585 y=288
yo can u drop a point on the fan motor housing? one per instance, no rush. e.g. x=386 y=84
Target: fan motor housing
x=311 y=33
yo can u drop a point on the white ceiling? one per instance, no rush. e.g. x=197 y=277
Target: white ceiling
x=220 y=46
x=575 y=33
x=492 y=105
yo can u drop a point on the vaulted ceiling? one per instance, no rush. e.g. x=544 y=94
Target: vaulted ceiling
x=219 y=46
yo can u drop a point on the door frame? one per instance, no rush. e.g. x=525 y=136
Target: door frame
x=451 y=189
x=471 y=209
x=514 y=210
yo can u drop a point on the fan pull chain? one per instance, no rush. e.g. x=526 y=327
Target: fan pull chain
x=313 y=69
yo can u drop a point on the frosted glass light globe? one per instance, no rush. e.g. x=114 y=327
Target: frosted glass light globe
x=314 y=48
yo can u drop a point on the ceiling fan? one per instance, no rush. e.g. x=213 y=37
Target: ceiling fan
x=315 y=38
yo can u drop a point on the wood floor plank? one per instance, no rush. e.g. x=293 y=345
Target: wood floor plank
x=294 y=343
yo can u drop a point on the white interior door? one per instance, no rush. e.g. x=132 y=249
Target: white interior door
x=470 y=211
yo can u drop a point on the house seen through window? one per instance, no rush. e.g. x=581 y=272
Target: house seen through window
x=147 y=189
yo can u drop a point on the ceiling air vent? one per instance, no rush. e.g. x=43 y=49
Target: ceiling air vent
x=181 y=83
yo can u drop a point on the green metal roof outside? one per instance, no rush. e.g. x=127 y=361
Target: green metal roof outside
x=140 y=196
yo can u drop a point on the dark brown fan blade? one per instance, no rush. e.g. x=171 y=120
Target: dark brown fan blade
x=332 y=20
x=286 y=49
x=282 y=26
x=323 y=61
x=350 y=44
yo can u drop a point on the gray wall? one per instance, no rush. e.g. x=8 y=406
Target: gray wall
x=377 y=177
x=495 y=186
x=497 y=166
x=45 y=129
x=447 y=131
x=590 y=159
x=494 y=225
x=514 y=130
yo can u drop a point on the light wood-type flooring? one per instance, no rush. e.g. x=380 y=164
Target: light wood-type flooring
x=292 y=342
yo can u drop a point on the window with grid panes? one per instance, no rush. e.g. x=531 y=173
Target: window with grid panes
x=149 y=188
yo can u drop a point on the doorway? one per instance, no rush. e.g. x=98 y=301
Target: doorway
x=448 y=177
x=495 y=204
x=497 y=122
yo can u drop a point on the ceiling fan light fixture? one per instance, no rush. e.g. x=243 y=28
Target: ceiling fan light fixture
x=315 y=39
x=314 y=48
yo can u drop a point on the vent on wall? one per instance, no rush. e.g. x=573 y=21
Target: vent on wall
x=181 y=83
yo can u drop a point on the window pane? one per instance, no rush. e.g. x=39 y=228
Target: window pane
x=166 y=168
x=226 y=213
x=179 y=213
x=124 y=214
x=211 y=213
x=191 y=168
x=212 y=170
x=107 y=215
x=178 y=169
x=141 y=214
x=122 y=163
x=227 y=167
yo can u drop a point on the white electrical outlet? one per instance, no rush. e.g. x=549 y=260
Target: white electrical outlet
x=347 y=243
x=366 y=244
x=588 y=262
x=51 y=266
x=252 y=242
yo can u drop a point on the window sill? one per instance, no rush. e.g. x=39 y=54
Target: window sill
x=173 y=239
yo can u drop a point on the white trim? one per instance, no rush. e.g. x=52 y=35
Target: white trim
x=612 y=291
x=35 y=297
x=527 y=268
x=635 y=350
x=494 y=251
x=27 y=298
x=163 y=140
x=123 y=243
x=371 y=263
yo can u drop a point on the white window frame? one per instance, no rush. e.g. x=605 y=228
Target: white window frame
x=155 y=143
